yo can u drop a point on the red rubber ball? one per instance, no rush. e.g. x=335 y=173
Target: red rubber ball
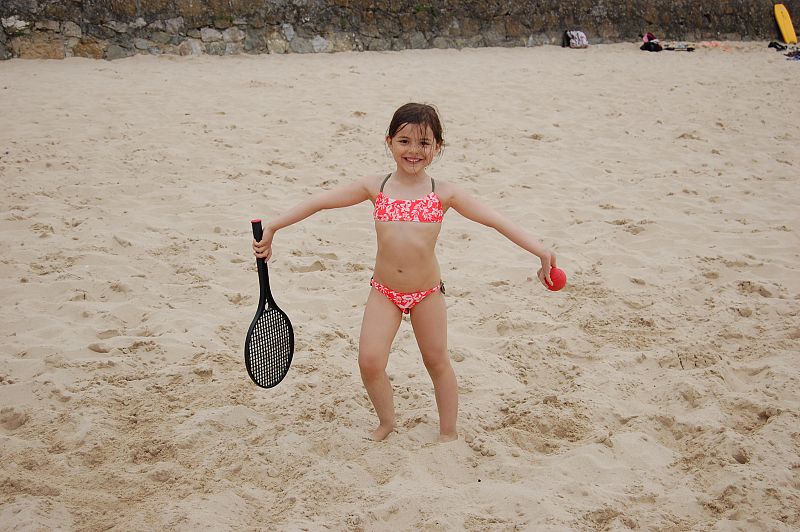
x=559 y=279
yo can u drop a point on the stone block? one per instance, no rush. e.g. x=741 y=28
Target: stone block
x=443 y=42
x=300 y=45
x=89 y=48
x=408 y=22
x=276 y=44
x=49 y=25
x=418 y=40
x=70 y=29
x=234 y=48
x=475 y=41
x=469 y=26
x=222 y=23
x=376 y=45
x=255 y=40
x=514 y=29
x=210 y=35
x=233 y=35
x=342 y=42
x=320 y=44
x=102 y=33
x=174 y=25
x=39 y=45
x=115 y=51
x=215 y=48
x=190 y=47
x=161 y=37
x=15 y=25
x=118 y=27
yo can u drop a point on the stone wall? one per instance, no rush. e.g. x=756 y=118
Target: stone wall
x=113 y=29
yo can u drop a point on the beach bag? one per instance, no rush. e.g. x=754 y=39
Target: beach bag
x=651 y=44
x=574 y=39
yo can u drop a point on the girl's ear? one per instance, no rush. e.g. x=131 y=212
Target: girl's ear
x=437 y=152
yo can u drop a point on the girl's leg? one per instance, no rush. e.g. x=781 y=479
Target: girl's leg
x=429 y=319
x=378 y=329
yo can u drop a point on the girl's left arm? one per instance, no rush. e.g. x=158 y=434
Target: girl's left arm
x=469 y=207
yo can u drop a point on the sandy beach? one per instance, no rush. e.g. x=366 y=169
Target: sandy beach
x=660 y=390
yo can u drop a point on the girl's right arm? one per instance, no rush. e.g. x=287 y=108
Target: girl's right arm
x=342 y=196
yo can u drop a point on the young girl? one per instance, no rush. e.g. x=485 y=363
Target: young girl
x=409 y=208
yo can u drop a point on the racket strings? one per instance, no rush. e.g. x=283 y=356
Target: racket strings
x=270 y=348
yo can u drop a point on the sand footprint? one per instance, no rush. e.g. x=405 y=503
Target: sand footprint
x=690 y=135
x=749 y=287
x=239 y=299
x=698 y=359
x=99 y=347
x=480 y=445
x=12 y=418
x=315 y=266
x=630 y=226
x=43 y=230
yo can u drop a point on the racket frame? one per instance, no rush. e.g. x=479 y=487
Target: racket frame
x=265 y=303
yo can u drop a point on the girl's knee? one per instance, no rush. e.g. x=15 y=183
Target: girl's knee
x=371 y=366
x=437 y=363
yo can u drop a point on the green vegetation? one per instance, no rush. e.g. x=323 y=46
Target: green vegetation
x=426 y=8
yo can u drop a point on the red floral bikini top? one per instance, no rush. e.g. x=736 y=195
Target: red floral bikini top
x=426 y=209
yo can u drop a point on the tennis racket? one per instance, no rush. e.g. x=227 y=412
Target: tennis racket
x=269 y=346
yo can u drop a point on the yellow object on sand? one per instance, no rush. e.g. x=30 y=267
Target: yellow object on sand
x=785 y=24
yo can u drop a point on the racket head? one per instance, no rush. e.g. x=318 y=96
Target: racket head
x=269 y=344
x=269 y=347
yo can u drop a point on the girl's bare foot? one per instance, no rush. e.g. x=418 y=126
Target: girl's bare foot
x=444 y=438
x=381 y=432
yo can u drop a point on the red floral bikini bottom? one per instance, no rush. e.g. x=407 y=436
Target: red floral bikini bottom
x=405 y=301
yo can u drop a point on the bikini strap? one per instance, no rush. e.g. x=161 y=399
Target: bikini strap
x=433 y=183
x=385 y=180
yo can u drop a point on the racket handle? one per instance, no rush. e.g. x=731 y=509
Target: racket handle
x=258 y=231
x=263 y=274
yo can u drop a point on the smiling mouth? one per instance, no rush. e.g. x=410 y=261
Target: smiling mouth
x=413 y=161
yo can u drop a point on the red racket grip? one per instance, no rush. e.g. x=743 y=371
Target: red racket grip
x=258 y=231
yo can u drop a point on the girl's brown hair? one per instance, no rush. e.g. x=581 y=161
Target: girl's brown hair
x=418 y=114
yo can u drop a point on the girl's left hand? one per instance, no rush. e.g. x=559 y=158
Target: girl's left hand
x=548 y=262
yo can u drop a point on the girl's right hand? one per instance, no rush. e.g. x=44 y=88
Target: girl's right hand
x=263 y=249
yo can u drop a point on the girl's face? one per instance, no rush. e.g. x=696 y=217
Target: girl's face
x=413 y=148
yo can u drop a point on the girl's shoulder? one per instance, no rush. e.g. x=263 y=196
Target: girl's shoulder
x=447 y=190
